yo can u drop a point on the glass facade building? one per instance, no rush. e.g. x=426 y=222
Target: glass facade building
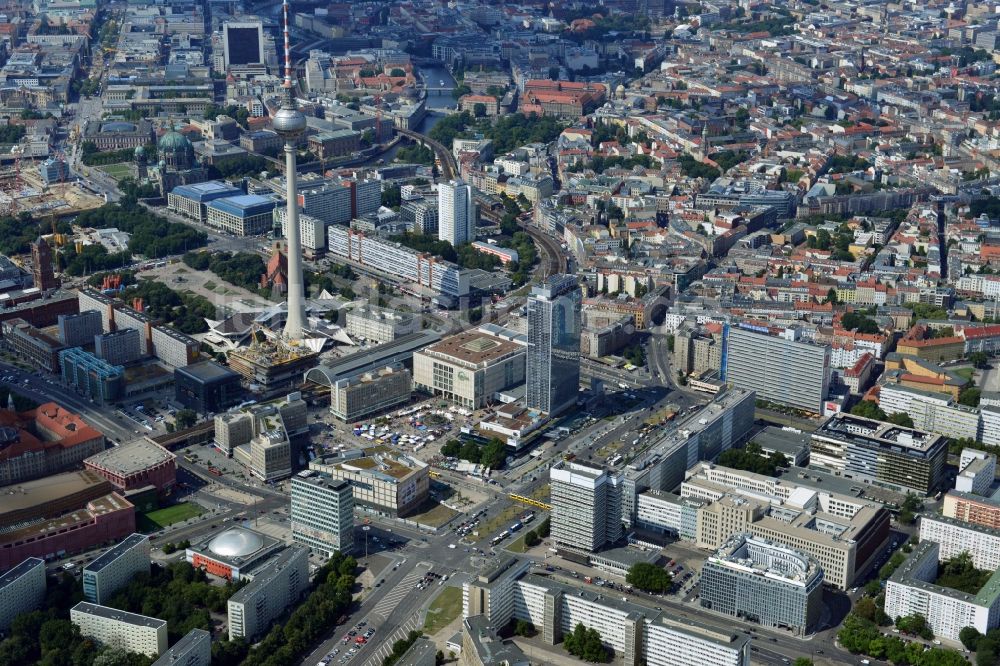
x=553 y=361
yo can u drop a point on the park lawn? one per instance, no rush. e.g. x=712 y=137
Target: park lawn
x=117 y=171
x=154 y=520
x=518 y=545
x=965 y=373
x=443 y=610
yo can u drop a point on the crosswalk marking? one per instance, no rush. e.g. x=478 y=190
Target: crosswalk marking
x=387 y=603
x=386 y=647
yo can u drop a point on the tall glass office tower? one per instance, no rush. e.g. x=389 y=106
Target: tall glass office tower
x=552 y=371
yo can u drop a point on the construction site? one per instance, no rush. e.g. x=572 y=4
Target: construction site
x=271 y=362
x=23 y=190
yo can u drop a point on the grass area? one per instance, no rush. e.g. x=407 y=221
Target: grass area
x=117 y=171
x=504 y=519
x=443 y=610
x=210 y=285
x=434 y=515
x=154 y=520
x=965 y=373
x=541 y=493
x=518 y=545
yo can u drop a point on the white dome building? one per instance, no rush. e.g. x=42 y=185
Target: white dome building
x=233 y=553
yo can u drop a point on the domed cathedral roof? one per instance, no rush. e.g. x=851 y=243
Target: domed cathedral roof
x=173 y=141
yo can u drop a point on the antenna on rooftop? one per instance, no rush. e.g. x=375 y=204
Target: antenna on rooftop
x=288 y=50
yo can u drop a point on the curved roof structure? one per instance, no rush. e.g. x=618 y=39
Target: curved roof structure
x=236 y=542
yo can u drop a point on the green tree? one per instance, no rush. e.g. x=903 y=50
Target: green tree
x=524 y=628
x=869 y=410
x=803 y=661
x=185 y=418
x=479 y=110
x=391 y=197
x=969 y=396
x=397 y=72
x=648 y=577
x=586 y=644
x=901 y=419
x=979 y=360
x=531 y=539
x=970 y=637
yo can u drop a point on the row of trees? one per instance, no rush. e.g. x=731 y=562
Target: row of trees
x=870 y=410
x=185 y=312
x=493 y=454
x=506 y=133
x=288 y=641
x=400 y=647
x=649 y=577
x=534 y=537
x=586 y=644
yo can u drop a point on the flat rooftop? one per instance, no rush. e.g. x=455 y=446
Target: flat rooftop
x=119 y=615
x=130 y=458
x=113 y=554
x=24 y=567
x=31 y=494
x=880 y=434
x=207 y=371
x=475 y=348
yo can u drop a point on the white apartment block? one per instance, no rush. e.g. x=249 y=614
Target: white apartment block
x=456 y=213
x=117 y=628
x=272 y=590
x=911 y=591
x=194 y=649
x=674 y=642
x=934 y=412
x=380 y=325
x=977 y=471
x=114 y=569
x=667 y=513
x=22 y=590
x=956 y=537
x=312 y=230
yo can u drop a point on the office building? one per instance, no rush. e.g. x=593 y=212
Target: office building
x=234 y=553
x=384 y=481
x=456 y=213
x=780 y=368
x=322 y=512
x=586 y=506
x=969 y=508
x=95 y=378
x=977 y=469
x=118 y=347
x=233 y=429
x=843 y=533
x=244 y=215
x=136 y=464
x=115 y=568
x=330 y=202
x=912 y=590
x=43 y=441
x=899 y=458
x=552 y=371
x=935 y=412
x=194 y=649
x=192 y=201
x=110 y=626
x=336 y=143
x=22 y=590
x=380 y=325
x=312 y=231
x=372 y=392
x=471 y=367
x=273 y=589
x=423 y=213
x=701 y=435
x=207 y=387
x=379 y=255
x=76 y=330
x=666 y=513
x=268 y=454
x=173 y=347
x=635 y=632
x=243 y=43
x=762 y=582
x=32 y=345
x=956 y=537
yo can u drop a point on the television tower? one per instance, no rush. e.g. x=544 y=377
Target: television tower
x=289 y=123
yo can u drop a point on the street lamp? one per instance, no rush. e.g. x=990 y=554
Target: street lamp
x=365 y=528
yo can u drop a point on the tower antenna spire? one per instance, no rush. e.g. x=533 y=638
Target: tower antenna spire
x=288 y=50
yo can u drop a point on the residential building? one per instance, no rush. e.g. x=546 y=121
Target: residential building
x=371 y=392
x=322 y=512
x=668 y=641
x=118 y=347
x=194 y=649
x=913 y=590
x=552 y=371
x=456 y=213
x=22 y=590
x=244 y=215
x=118 y=628
x=781 y=369
x=136 y=464
x=380 y=325
x=384 y=481
x=844 y=534
x=115 y=568
x=76 y=330
x=423 y=213
x=935 y=411
x=586 y=506
x=881 y=453
x=701 y=435
x=273 y=589
x=969 y=508
x=759 y=581
x=663 y=512
x=696 y=350
x=312 y=231
x=482 y=646
x=471 y=367
x=977 y=469
x=956 y=537
x=447 y=279
x=330 y=202
x=173 y=347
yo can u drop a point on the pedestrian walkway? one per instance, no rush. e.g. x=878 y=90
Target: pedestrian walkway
x=389 y=602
